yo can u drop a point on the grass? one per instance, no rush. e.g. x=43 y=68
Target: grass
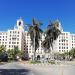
x=34 y=62
x=37 y=62
x=51 y=62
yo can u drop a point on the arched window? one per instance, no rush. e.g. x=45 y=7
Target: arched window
x=19 y=23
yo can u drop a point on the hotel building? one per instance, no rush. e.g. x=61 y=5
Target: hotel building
x=18 y=36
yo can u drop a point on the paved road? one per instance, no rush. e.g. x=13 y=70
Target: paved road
x=16 y=68
x=52 y=69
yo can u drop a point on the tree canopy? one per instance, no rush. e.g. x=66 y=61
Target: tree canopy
x=35 y=32
x=52 y=32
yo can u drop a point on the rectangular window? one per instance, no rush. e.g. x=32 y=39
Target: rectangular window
x=18 y=39
x=12 y=43
x=12 y=46
x=24 y=45
x=59 y=50
x=10 y=31
x=9 y=42
x=17 y=42
x=59 y=40
x=67 y=48
x=17 y=35
x=62 y=47
x=13 y=38
x=18 y=32
x=59 y=47
x=27 y=34
x=5 y=42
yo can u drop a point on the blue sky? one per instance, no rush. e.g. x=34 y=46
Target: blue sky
x=43 y=10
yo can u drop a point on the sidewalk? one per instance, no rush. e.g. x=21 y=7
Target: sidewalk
x=23 y=62
x=70 y=62
x=47 y=64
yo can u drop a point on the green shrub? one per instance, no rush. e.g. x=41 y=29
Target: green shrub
x=3 y=57
x=51 y=62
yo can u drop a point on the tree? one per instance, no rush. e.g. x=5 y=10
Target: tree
x=2 y=48
x=16 y=51
x=51 y=34
x=72 y=53
x=23 y=55
x=35 y=35
x=12 y=53
x=3 y=54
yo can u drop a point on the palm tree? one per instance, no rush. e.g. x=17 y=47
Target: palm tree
x=51 y=34
x=35 y=34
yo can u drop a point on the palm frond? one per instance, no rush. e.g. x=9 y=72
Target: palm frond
x=52 y=32
x=34 y=29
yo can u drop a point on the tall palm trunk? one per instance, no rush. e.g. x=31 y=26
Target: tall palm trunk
x=52 y=52
x=34 y=56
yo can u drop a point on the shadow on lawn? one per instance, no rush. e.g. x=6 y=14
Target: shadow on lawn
x=14 y=72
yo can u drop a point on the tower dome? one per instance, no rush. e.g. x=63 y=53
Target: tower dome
x=20 y=24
